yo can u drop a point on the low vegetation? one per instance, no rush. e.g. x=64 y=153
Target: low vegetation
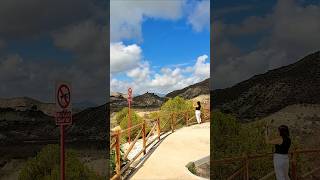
x=176 y=105
x=233 y=139
x=46 y=166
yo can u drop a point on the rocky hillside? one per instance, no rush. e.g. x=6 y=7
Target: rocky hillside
x=267 y=93
x=90 y=124
x=148 y=100
x=25 y=103
x=18 y=126
x=303 y=121
x=33 y=126
x=192 y=91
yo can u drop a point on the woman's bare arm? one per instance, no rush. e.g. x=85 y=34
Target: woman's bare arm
x=274 y=141
x=277 y=140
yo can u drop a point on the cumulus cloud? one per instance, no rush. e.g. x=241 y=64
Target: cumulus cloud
x=199 y=18
x=202 y=68
x=140 y=73
x=290 y=32
x=123 y=58
x=76 y=30
x=164 y=81
x=126 y=17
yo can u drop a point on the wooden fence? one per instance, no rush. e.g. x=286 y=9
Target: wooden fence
x=156 y=128
x=244 y=171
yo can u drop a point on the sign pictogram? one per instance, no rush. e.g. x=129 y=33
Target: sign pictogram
x=129 y=95
x=63 y=103
x=63 y=96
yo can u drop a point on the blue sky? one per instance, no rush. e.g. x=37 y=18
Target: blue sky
x=170 y=45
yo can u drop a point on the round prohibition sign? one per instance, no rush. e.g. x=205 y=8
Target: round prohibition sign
x=63 y=96
x=129 y=94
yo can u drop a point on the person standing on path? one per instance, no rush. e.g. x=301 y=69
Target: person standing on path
x=198 y=112
x=280 y=157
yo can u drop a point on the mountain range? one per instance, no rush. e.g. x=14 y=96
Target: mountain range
x=30 y=123
x=267 y=93
x=153 y=100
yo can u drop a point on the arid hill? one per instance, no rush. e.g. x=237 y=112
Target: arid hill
x=270 y=92
x=192 y=90
x=25 y=103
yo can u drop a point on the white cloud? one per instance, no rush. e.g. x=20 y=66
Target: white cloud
x=140 y=73
x=202 y=68
x=166 y=80
x=123 y=58
x=199 y=18
x=126 y=16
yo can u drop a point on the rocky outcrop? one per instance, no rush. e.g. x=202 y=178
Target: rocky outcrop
x=148 y=100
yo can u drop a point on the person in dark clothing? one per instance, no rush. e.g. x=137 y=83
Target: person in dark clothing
x=280 y=157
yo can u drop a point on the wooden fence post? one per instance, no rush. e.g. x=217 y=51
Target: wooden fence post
x=187 y=117
x=294 y=165
x=174 y=120
x=118 y=159
x=171 y=120
x=159 y=129
x=247 y=167
x=144 y=136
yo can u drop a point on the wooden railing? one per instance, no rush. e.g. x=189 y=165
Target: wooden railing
x=245 y=160
x=186 y=116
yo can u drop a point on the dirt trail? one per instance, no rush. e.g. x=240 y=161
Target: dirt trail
x=169 y=159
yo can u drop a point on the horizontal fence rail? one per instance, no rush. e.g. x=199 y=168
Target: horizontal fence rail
x=156 y=129
x=245 y=160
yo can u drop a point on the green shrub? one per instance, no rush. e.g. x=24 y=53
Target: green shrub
x=46 y=166
x=174 y=105
x=231 y=138
x=113 y=160
x=122 y=120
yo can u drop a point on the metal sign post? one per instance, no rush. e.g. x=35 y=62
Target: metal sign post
x=63 y=117
x=129 y=112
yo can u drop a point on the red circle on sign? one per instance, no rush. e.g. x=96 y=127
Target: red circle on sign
x=129 y=91
x=63 y=96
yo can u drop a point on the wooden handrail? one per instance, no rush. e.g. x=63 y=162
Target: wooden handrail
x=236 y=174
x=247 y=158
x=132 y=144
x=310 y=172
x=157 y=125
